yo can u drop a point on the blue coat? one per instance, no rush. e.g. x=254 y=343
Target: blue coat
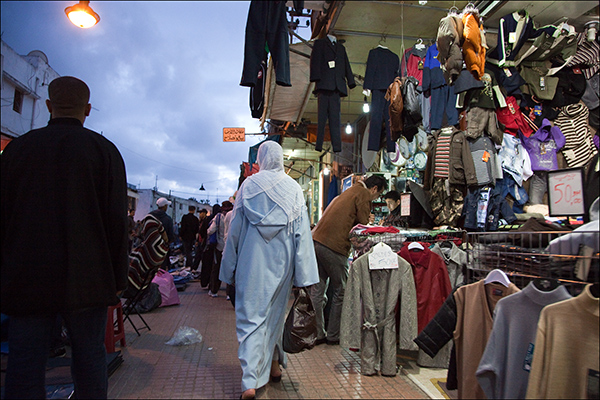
x=264 y=256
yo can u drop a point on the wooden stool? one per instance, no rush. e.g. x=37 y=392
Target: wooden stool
x=115 y=330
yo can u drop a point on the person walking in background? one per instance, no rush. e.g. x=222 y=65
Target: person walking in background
x=161 y=214
x=268 y=248
x=78 y=265
x=202 y=215
x=217 y=226
x=332 y=247
x=208 y=257
x=188 y=234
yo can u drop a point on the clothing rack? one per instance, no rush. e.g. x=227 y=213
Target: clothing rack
x=362 y=243
x=524 y=256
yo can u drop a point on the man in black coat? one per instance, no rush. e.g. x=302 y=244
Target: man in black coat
x=330 y=69
x=188 y=233
x=64 y=243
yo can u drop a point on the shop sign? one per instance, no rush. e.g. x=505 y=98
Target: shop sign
x=234 y=134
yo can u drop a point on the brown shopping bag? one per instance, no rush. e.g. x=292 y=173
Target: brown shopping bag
x=300 y=330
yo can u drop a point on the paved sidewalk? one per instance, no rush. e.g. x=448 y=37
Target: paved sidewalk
x=211 y=369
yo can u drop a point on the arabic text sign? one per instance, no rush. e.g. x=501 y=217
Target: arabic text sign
x=234 y=134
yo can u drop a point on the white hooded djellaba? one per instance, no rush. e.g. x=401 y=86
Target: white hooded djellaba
x=269 y=247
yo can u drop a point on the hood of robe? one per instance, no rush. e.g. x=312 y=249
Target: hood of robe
x=267 y=217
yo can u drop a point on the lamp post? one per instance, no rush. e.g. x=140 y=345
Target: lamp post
x=82 y=15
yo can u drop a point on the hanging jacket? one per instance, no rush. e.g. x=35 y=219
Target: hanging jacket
x=330 y=68
x=394 y=96
x=433 y=76
x=513 y=31
x=368 y=321
x=562 y=44
x=413 y=62
x=449 y=41
x=511 y=117
x=382 y=67
x=462 y=169
x=474 y=45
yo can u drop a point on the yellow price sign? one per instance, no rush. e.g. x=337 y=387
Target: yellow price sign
x=234 y=134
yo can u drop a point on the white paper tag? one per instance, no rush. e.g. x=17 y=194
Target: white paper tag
x=383 y=258
x=512 y=37
x=332 y=64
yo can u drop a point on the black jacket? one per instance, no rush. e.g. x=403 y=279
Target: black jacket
x=189 y=227
x=64 y=220
x=382 y=68
x=324 y=55
x=166 y=221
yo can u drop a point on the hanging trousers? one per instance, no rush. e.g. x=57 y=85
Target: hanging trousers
x=426 y=112
x=443 y=100
x=329 y=108
x=380 y=114
x=267 y=24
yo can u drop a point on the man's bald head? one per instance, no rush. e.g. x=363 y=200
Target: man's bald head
x=68 y=97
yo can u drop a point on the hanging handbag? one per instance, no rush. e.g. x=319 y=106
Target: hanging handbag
x=300 y=330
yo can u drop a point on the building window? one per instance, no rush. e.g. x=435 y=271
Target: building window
x=18 y=101
x=180 y=206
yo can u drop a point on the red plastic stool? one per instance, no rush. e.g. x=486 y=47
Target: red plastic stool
x=114 y=331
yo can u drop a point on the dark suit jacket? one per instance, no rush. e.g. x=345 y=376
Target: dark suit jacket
x=327 y=78
x=64 y=220
x=382 y=68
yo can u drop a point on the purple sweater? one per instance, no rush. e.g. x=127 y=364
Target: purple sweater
x=543 y=145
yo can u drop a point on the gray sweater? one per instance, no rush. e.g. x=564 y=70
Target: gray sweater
x=503 y=371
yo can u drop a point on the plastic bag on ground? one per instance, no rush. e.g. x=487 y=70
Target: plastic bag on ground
x=184 y=336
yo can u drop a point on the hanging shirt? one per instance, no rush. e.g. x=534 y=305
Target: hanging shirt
x=515 y=159
x=503 y=372
x=431 y=281
x=485 y=159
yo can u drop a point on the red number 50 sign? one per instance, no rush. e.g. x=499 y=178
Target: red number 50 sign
x=565 y=192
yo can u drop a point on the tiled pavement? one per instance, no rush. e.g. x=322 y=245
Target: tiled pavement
x=211 y=369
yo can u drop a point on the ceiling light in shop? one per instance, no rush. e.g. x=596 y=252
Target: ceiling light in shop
x=348 y=128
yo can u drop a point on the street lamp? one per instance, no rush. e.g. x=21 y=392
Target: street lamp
x=82 y=15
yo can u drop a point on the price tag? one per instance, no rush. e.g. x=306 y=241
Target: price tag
x=542 y=83
x=331 y=64
x=565 y=192
x=507 y=72
x=512 y=37
x=382 y=257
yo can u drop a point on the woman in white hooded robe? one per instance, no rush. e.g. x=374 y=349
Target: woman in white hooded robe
x=269 y=247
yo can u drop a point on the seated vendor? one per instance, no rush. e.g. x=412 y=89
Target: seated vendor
x=392 y=199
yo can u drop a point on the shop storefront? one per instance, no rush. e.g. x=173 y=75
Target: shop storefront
x=491 y=146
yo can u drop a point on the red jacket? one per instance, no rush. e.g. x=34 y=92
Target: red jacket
x=431 y=281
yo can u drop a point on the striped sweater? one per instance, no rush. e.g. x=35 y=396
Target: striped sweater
x=573 y=122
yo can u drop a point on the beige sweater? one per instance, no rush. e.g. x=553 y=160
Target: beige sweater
x=566 y=350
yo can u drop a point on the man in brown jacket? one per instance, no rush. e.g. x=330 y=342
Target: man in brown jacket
x=332 y=247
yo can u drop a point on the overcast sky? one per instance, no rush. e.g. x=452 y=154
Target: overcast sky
x=164 y=80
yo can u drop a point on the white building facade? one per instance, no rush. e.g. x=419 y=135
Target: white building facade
x=24 y=81
x=146 y=202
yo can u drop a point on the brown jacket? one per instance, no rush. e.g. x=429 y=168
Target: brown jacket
x=348 y=209
x=462 y=168
x=394 y=96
